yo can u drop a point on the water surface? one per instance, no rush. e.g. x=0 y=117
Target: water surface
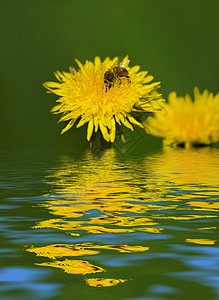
x=106 y=225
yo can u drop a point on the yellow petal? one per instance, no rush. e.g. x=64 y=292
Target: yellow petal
x=125 y=122
x=59 y=75
x=55 y=108
x=96 y=124
x=134 y=69
x=65 y=117
x=97 y=61
x=112 y=130
x=117 y=119
x=133 y=121
x=196 y=92
x=79 y=64
x=70 y=124
x=104 y=131
x=148 y=78
x=71 y=115
x=81 y=122
x=52 y=84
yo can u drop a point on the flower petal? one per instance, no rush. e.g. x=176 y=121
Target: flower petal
x=112 y=130
x=69 y=125
x=133 y=121
x=104 y=131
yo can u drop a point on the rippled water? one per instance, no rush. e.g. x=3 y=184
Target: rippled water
x=105 y=225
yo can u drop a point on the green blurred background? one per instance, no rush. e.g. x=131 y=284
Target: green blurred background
x=175 y=40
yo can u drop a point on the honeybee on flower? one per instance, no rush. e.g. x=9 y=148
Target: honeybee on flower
x=103 y=95
x=117 y=72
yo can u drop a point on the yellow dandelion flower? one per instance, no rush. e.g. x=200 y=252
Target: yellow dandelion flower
x=186 y=122
x=103 y=94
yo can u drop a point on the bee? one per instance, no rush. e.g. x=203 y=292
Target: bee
x=117 y=70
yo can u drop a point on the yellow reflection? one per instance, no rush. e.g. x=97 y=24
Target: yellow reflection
x=73 y=266
x=94 y=196
x=101 y=186
x=97 y=196
x=193 y=175
x=206 y=228
x=103 y=282
x=201 y=241
x=61 y=250
x=186 y=217
x=205 y=205
x=187 y=167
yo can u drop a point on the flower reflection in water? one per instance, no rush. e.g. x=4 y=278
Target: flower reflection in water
x=191 y=177
x=103 y=198
x=93 y=197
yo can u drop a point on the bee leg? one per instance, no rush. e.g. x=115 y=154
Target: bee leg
x=108 y=85
x=128 y=79
x=120 y=81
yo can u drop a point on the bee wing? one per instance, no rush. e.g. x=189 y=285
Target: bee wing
x=116 y=63
x=125 y=62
